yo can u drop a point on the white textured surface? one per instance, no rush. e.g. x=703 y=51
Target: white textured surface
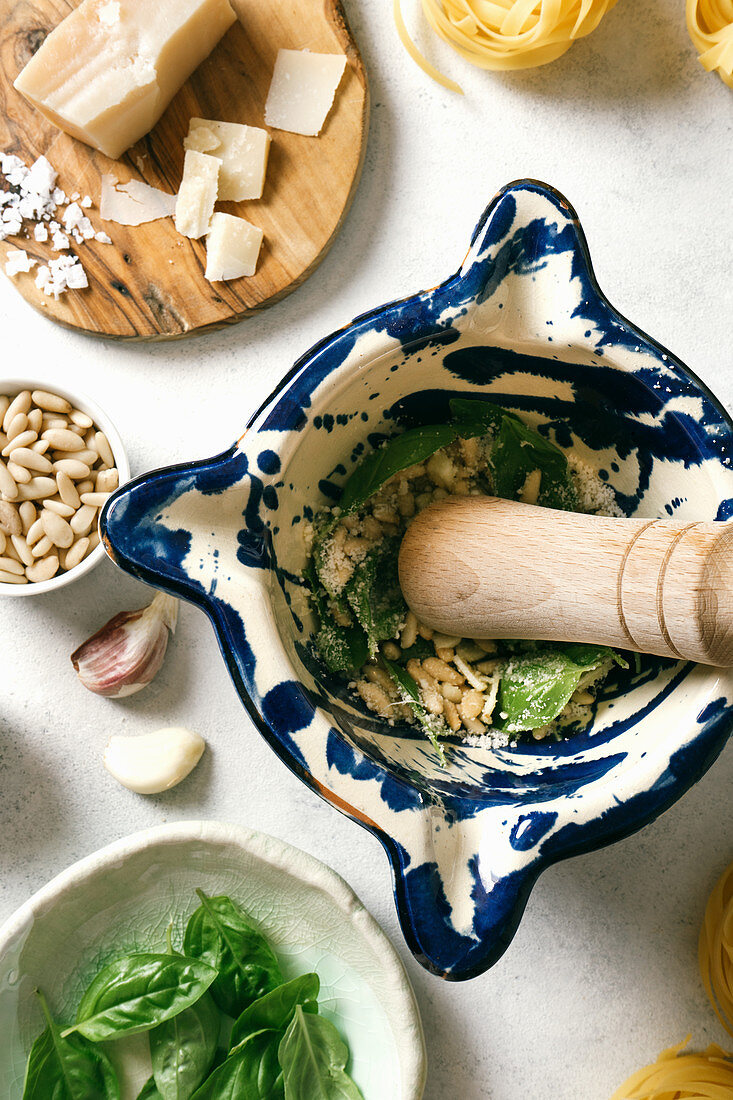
x=602 y=972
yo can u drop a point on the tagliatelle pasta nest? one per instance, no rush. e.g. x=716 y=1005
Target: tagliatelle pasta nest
x=677 y=1076
x=507 y=34
x=716 y=949
x=710 y=23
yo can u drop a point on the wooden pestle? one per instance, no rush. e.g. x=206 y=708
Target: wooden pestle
x=480 y=567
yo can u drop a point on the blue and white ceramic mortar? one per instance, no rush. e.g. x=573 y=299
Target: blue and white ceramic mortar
x=525 y=323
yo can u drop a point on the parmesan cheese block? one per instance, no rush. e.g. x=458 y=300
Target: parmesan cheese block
x=108 y=71
x=243 y=151
x=302 y=90
x=197 y=194
x=232 y=248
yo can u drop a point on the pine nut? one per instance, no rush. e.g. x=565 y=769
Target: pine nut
x=59 y=507
x=51 y=402
x=57 y=529
x=9 y=519
x=391 y=651
x=61 y=439
x=22 y=549
x=3 y=540
x=471 y=705
x=76 y=416
x=43 y=570
x=409 y=631
x=67 y=490
x=103 y=449
x=27 y=512
x=86 y=486
x=18 y=424
x=451 y=715
x=10 y=550
x=42 y=548
x=40 y=446
x=19 y=404
x=54 y=422
x=72 y=467
x=35 y=419
x=7 y=484
x=76 y=430
x=82 y=521
x=37 y=488
x=76 y=553
x=441 y=671
x=9 y=565
x=95 y=499
x=4 y=406
x=19 y=474
x=107 y=481
x=89 y=457
x=11 y=578
x=94 y=539
x=24 y=456
x=23 y=440
x=35 y=532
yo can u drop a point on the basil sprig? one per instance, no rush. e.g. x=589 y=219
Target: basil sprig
x=186 y=1026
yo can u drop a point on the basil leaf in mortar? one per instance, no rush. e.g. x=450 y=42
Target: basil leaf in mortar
x=220 y=933
x=342 y=648
x=275 y=1010
x=138 y=991
x=250 y=1072
x=478 y=417
x=517 y=452
x=375 y=596
x=410 y=692
x=395 y=454
x=182 y=1049
x=313 y=1057
x=537 y=686
x=67 y=1067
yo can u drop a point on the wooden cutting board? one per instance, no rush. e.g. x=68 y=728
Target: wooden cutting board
x=149 y=283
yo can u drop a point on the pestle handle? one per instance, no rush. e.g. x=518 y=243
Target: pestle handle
x=481 y=567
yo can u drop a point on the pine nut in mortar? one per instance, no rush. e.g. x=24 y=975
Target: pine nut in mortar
x=56 y=472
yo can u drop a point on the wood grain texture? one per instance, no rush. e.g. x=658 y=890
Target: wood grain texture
x=149 y=284
x=481 y=567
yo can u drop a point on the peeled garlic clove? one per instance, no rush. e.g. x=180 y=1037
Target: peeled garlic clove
x=153 y=762
x=126 y=653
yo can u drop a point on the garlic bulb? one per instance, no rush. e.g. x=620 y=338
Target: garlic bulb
x=153 y=762
x=126 y=653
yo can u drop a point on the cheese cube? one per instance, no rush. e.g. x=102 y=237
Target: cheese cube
x=302 y=89
x=197 y=193
x=243 y=152
x=109 y=70
x=232 y=248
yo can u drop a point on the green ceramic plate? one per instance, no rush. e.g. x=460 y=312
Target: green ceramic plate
x=123 y=898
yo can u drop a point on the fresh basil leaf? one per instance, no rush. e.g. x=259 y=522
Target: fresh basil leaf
x=138 y=991
x=536 y=687
x=432 y=726
x=395 y=454
x=375 y=596
x=149 y=1091
x=275 y=1010
x=313 y=1057
x=477 y=417
x=517 y=452
x=220 y=933
x=342 y=648
x=251 y=1072
x=182 y=1049
x=67 y=1067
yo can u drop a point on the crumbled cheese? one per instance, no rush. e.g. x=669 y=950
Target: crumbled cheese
x=17 y=260
x=594 y=495
x=33 y=196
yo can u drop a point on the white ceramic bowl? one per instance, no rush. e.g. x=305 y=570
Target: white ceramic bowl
x=12 y=386
x=123 y=897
